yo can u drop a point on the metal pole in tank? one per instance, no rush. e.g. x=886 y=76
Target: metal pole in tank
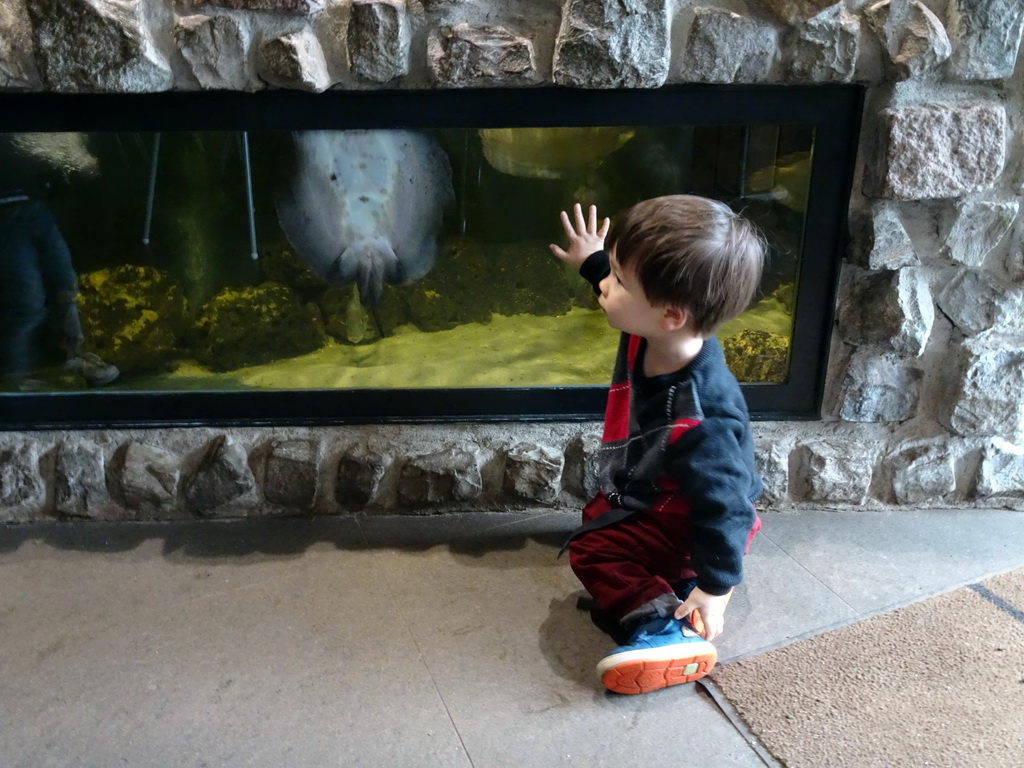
x=154 y=161
x=248 y=196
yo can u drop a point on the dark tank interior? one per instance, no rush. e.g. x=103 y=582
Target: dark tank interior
x=375 y=256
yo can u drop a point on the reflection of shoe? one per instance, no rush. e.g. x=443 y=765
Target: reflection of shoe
x=661 y=652
x=93 y=369
x=13 y=382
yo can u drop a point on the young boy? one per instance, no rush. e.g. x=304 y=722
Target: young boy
x=661 y=545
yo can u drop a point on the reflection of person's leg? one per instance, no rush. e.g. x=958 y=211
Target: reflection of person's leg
x=62 y=288
x=61 y=279
x=23 y=299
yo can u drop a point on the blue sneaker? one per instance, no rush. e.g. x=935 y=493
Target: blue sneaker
x=661 y=652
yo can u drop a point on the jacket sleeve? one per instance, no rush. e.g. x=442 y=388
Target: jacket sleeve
x=707 y=464
x=595 y=269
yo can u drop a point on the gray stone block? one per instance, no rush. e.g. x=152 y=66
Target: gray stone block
x=879 y=388
x=985 y=396
x=911 y=34
x=971 y=229
x=772 y=464
x=825 y=48
x=1001 y=470
x=891 y=310
x=796 y=11
x=216 y=50
x=84 y=45
x=149 y=478
x=977 y=301
x=292 y=476
x=534 y=472
x=836 y=472
x=445 y=476
x=612 y=44
x=986 y=37
x=943 y=150
x=223 y=477
x=725 y=47
x=378 y=40
x=923 y=473
x=464 y=55
x=22 y=489
x=80 y=488
x=359 y=477
x=296 y=61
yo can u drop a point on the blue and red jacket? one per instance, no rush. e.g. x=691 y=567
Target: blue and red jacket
x=680 y=443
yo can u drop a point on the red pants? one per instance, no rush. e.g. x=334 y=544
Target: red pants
x=638 y=559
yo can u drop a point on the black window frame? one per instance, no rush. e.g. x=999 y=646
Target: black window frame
x=833 y=110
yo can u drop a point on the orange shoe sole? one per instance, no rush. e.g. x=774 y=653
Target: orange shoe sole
x=643 y=675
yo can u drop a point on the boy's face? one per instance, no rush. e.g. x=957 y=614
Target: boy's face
x=624 y=303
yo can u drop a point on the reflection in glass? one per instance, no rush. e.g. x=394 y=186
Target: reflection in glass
x=361 y=259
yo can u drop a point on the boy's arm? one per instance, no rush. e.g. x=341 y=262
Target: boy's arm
x=714 y=478
x=585 y=236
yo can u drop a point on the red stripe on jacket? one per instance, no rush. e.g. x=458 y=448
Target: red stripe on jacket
x=616 y=413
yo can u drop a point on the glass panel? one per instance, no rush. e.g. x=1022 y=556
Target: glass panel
x=356 y=259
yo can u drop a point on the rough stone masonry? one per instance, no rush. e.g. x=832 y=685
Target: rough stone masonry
x=925 y=394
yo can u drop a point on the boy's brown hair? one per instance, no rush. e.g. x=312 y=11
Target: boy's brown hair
x=692 y=253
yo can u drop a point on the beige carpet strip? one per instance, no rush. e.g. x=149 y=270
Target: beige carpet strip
x=938 y=683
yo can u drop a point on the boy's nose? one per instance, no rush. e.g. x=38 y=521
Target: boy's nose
x=603 y=285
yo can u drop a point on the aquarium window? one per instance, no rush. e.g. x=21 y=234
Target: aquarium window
x=383 y=256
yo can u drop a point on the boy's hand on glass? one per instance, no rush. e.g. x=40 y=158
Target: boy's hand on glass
x=585 y=236
x=711 y=609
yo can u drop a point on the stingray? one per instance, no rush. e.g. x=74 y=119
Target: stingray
x=366 y=207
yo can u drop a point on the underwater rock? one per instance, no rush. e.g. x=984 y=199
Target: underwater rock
x=133 y=317
x=757 y=356
x=454 y=293
x=68 y=153
x=526 y=280
x=549 y=153
x=254 y=325
x=280 y=264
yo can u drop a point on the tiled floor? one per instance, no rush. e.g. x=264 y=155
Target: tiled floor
x=442 y=641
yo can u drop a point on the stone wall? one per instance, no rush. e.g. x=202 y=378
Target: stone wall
x=924 y=402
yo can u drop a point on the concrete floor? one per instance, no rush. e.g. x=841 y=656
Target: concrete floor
x=434 y=642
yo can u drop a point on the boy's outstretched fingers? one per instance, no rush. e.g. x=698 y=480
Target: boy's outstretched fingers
x=585 y=236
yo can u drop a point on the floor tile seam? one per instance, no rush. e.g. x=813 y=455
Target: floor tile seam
x=811 y=573
x=386 y=580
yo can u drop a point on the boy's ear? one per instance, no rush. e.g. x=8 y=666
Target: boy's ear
x=674 y=318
